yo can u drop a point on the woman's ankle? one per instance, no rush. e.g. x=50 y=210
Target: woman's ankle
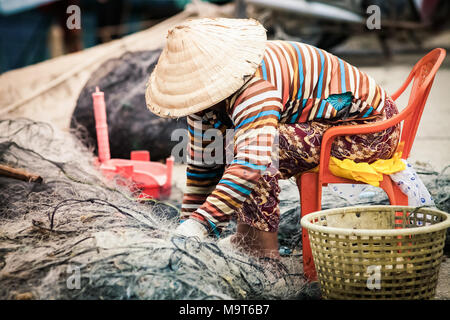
x=257 y=243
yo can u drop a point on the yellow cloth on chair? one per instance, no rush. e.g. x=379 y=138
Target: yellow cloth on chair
x=370 y=173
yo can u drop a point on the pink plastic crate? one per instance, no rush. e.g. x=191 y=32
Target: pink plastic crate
x=152 y=179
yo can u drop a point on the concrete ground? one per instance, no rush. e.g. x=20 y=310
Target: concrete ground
x=432 y=143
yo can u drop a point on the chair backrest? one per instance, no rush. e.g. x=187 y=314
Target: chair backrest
x=423 y=75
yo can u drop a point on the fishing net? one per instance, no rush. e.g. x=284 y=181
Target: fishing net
x=437 y=183
x=130 y=125
x=79 y=236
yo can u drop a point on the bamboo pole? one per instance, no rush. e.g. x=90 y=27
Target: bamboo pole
x=19 y=174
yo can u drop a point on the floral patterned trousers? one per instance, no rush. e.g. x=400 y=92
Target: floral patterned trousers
x=299 y=151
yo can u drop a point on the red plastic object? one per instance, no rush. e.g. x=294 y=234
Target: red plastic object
x=101 y=126
x=152 y=179
x=310 y=184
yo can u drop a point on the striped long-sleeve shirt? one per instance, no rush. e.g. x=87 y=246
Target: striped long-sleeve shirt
x=292 y=84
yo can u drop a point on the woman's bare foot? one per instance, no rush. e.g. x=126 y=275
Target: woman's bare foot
x=260 y=244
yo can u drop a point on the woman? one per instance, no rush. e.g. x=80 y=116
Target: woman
x=224 y=74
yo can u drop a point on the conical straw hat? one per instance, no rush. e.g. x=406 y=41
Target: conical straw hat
x=204 y=62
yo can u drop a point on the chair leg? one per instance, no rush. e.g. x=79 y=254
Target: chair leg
x=307 y=185
x=396 y=197
x=401 y=199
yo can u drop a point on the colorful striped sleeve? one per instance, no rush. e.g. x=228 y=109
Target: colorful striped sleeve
x=201 y=177
x=255 y=114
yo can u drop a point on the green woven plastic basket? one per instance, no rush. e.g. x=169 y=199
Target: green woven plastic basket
x=377 y=252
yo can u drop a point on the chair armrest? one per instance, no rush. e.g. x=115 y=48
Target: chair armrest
x=405 y=85
x=331 y=134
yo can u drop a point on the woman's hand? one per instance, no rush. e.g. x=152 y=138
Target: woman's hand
x=192 y=228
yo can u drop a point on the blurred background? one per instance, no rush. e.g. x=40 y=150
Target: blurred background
x=48 y=73
x=119 y=41
x=35 y=30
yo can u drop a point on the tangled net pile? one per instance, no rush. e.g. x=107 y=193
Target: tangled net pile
x=75 y=223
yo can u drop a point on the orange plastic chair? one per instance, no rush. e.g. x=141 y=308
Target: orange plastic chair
x=310 y=183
